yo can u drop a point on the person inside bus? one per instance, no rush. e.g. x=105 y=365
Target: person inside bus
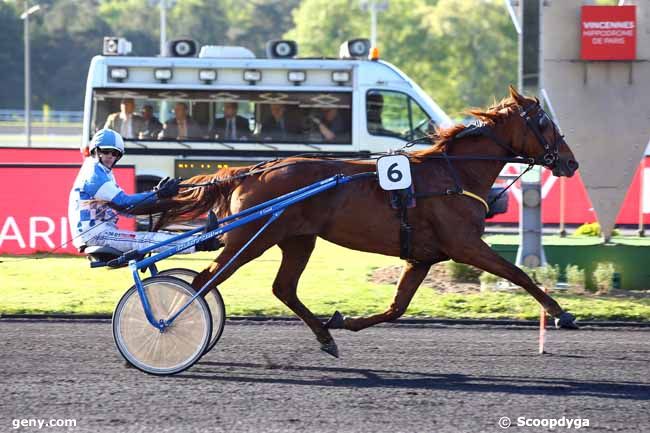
x=374 y=110
x=182 y=126
x=126 y=122
x=96 y=200
x=332 y=125
x=230 y=127
x=151 y=126
x=275 y=125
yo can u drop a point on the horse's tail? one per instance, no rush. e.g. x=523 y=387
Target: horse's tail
x=193 y=202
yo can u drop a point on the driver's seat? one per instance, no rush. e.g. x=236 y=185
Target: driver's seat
x=101 y=253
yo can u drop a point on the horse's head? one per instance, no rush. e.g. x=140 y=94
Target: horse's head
x=540 y=138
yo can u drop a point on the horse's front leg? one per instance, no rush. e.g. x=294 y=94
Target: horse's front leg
x=409 y=281
x=296 y=252
x=479 y=254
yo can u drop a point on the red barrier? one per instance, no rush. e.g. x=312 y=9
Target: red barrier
x=34 y=209
x=22 y=155
x=34 y=198
x=578 y=208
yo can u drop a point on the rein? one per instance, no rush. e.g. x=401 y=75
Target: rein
x=548 y=159
x=257 y=170
x=540 y=120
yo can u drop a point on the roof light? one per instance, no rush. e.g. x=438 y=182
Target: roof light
x=296 y=77
x=341 y=77
x=163 y=74
x=252 y=76
x=207 y=75
x=118 y=74
x=374 y=54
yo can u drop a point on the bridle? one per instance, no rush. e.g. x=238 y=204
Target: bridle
x=537 y=123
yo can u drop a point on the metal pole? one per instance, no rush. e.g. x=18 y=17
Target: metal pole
x=373 y=24
x=531 y=251
x=163 y=28
x=513 y=17
x=562 y=205
x=641 y=231
x=28 y=90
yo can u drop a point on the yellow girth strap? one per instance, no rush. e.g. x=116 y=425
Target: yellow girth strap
x=476 y=197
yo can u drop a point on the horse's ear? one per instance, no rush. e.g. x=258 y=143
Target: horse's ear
x=514 y=94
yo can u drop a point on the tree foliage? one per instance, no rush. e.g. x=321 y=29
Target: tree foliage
x=462 y=52
x=480 y=43
x=11 y=57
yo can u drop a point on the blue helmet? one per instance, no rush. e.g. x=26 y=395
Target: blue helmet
x=107 y=139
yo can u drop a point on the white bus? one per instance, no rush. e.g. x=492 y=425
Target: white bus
x=280 y=101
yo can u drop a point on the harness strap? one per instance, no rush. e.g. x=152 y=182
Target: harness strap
x=401 y=200
x=405 y=236
x=454 y=192
x=476 y=197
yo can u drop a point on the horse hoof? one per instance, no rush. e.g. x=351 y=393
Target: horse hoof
x=566 y=321
x=330 y=348
x=337 y=321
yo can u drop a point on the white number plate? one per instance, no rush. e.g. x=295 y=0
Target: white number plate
x=394 y=172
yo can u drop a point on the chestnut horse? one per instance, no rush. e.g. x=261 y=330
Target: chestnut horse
x=358 y=215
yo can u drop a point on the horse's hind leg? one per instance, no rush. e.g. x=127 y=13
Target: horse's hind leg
x=295 y=255
x=479 y=254
x=409 y=281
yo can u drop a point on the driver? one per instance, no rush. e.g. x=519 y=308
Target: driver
x=96 y=199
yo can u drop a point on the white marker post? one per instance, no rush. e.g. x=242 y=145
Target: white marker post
x=542 y=328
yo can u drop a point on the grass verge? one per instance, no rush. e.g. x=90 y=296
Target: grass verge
x=335 y=279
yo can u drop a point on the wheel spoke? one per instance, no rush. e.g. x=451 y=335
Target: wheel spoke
x=178 y=346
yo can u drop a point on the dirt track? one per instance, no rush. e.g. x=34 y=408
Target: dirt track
x=267 y=377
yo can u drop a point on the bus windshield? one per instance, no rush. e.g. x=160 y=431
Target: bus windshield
x=224 y=116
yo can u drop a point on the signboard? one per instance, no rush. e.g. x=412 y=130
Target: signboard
x=394 y=172
x=34 y=212
x=578 y=208
x=21 y=155
x=608 y=32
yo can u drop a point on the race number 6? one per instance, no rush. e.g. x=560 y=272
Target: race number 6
x=394 y=172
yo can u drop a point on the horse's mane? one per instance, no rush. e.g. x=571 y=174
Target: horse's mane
x=194 y=202
x=191 y=203
x=489 y=116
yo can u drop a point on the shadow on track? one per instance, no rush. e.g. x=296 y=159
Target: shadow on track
x=410 y=380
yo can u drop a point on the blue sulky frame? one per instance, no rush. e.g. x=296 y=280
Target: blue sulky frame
x=274 y=207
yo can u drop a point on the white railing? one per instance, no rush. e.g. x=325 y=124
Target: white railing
x=53 y=116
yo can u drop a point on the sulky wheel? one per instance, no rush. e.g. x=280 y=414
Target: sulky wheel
x=212 y=298
x=178 y=346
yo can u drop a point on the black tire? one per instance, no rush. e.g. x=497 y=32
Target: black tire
x=212 y=298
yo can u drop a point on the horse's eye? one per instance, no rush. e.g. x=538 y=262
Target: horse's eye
x=543 y=121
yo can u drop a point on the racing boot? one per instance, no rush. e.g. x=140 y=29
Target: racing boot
x=213 y=243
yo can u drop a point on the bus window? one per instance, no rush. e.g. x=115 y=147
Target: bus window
x=276 y=117
x=421 y=124
x=395 y=114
